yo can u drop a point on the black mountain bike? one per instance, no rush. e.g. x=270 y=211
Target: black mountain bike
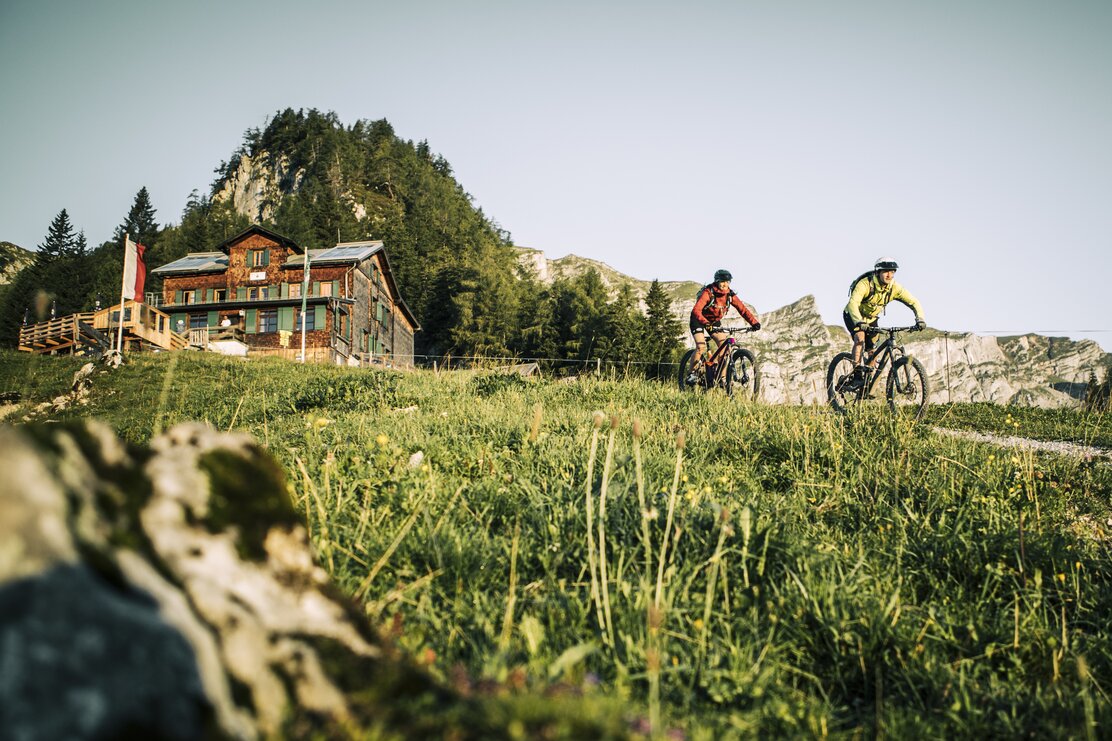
x=906 y=389
x=729 y=367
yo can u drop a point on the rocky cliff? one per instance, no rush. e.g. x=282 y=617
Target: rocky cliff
x=794 y=348
x=171 y=592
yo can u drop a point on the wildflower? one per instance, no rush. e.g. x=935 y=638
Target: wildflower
x=1062 y=578
x=382 y=440
x=698 y=624
x=320 y=423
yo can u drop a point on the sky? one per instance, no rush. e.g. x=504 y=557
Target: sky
x=792 y=142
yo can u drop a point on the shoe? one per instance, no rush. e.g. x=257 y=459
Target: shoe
x=692 y=379
x=857 y=380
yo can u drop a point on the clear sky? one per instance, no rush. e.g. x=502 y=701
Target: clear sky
x=791 y=141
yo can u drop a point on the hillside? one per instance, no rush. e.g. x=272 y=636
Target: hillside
x=13 y=259
x=768 y=570
x=794 y=348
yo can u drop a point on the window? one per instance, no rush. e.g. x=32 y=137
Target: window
x=220 y=294
x=258 y=258
x=258 y=293
x=268 y=320
x=295 y=290
x=198 y=321
x=189 y=297
x=326 y=288
x=310 y=320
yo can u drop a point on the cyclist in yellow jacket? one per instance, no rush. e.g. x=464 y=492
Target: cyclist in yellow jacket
x=869 y=294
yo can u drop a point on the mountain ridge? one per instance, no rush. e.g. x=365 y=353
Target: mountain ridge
x=795 y=346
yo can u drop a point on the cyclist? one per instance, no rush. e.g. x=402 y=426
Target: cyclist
x=711 y=305
x=869 y=294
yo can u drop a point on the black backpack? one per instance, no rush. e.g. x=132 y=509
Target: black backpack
x=857 y=280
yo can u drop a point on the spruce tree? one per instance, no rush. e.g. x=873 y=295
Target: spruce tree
x=139 y=225
x=663 y=332
x=60 y=240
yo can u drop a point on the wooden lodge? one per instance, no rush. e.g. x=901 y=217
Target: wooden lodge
x=251 y=287
x=247 y=296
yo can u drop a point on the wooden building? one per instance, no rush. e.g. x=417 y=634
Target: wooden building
x=255 y=284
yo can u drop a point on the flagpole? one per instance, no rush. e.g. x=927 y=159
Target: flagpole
x=123 y=290
x=304 y=301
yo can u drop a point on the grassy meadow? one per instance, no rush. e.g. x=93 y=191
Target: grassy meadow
x=723 y=569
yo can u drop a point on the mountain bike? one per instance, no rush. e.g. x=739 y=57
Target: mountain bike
x=906 y=389
x=729 y=367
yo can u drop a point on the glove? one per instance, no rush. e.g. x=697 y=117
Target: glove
x=920 y=325
x=755 y=327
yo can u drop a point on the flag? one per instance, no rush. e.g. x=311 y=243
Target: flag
x=135 y=270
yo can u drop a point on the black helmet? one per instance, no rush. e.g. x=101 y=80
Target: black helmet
x=720 y=275
x=886 y=263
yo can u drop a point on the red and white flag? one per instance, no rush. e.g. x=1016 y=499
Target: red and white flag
x=135 y=270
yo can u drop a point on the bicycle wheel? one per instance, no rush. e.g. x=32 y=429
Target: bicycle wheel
x=742 y=377
x=688 y=378
x=839 y=389
x=907 y=388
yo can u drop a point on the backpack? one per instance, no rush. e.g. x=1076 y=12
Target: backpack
x=857 y=280
x=709 y=286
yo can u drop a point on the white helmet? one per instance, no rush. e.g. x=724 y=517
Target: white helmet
x=886 y=263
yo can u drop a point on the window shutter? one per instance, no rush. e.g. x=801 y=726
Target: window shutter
x=266 y=258
x=241 y=293
x=213 y=318
x=319 y=316
x=285 y=290
x=335 y=288
x=316 y=288
x=285 y=317
x=177 y=297
x=251 y=320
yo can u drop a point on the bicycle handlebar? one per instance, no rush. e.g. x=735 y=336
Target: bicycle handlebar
x=891 y=330
x=729 y=330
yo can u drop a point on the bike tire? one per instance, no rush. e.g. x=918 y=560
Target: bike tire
x=742 y=376
x=908 y=388
x=685 y=371
x=837 y=373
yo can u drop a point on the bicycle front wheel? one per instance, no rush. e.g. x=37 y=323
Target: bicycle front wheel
x=908 y=388
x=690 y=379
x=841 y=389
x=742 y=377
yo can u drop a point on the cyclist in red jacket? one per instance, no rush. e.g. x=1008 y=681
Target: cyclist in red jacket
x=714 y=300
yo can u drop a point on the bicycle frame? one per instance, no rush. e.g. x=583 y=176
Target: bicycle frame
x=887 y=351
x=730 y=365
x=907 y=387
x=722 y=352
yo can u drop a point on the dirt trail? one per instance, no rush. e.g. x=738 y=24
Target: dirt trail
x=1060 y=447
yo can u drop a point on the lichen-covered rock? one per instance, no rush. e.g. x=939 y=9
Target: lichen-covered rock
x=171 y=592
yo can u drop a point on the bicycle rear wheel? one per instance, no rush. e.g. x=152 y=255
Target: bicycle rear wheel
x=907 y=388
x=742 y=377
x=839 y=387
x=689 y=379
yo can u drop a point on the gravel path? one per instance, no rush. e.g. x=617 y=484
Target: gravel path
x=1051 y=446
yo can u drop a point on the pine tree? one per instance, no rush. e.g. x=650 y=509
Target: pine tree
x=663 y=332
x=139 y=225
x=60 y=240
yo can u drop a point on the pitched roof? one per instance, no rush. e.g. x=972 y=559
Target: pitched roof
x=256 y=229
x=195 y=262
x=343 y=252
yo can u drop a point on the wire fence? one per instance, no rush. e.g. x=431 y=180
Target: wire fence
x=951 y=379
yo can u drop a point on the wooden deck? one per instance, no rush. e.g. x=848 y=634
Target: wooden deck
x=97 y=331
